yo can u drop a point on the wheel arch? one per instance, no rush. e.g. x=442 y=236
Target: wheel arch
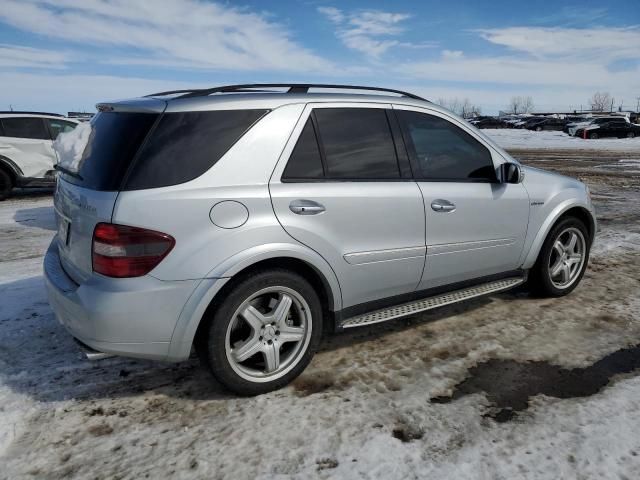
x=566 y=209
x=223 y=278
x=9 y=166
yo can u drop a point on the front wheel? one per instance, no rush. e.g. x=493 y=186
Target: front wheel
x=593 y=136
x=562 y=260
x=264 y=333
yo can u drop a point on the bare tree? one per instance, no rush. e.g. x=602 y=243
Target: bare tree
x=520 y=104
x=462 y=107
x=601 y=102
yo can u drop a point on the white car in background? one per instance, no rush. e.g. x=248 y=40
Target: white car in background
x=27 y=157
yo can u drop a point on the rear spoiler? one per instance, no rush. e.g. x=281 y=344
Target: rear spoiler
x=139 y=105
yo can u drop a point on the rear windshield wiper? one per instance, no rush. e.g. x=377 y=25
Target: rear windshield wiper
x=62 y=169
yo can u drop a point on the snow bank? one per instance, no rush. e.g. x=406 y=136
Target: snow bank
x=527 y=139
x=70 y=146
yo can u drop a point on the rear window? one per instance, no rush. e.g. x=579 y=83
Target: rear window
x=185 y=145
x=113 y=142
x=128 y=148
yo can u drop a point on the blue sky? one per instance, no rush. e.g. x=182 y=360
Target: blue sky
x=62 y=55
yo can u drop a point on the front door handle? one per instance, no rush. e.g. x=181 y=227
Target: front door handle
x=306 y=207
x=442 y=206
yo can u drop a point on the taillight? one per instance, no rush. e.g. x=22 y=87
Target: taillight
x=121 y=251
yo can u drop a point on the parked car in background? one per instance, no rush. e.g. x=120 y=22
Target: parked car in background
x=617 y=127
x=550 y=123
x=247 y=224
x=491 y=122
x=27 y=157
x=593 y=121
x=525 y=122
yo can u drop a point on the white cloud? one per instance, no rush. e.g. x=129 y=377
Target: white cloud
x=361 y=31
x=16 y=56
x=64 y=92
x=189 y=32
x=452 y=54
x=571 y=43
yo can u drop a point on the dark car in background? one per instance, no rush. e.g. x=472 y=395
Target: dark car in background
x=609 y=127
x=490 y=122
x=556 y=124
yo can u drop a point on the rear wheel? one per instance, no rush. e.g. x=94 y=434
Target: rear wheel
x=538 y=129
x=593 y=135
x=264 y=333
x=631 y=134
x=562 y=260
x=6 y=184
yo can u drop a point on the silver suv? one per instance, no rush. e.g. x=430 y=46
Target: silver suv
x=245 y=220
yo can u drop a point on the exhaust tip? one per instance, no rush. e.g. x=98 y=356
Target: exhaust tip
x=91 y=353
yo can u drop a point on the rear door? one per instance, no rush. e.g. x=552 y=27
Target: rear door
x=475 y=226
x=344 y=189
x=27 y=143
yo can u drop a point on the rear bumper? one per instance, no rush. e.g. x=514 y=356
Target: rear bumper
x=132 y=317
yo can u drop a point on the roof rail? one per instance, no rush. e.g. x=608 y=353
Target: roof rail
x=23 y=112
x=292 y=88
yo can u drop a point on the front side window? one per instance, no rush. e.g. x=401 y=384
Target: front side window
x=25 y=127
x=443 y=151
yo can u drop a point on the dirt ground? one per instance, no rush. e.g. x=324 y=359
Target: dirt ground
x=507 y=386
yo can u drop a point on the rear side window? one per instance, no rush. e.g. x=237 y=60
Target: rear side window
x=185 y=145
x=305 y=161
x=25 y=127
x=113 y=142
x=443 y=151
x=357 y=143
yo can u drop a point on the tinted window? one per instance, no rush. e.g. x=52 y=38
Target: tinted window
x=59 y=126
x=443 y=151
x=113 y=142
x=25 y=127
x=185 y=145
x=305 y=160
x=357 y=143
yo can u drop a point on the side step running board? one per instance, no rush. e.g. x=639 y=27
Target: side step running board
x=432 y=302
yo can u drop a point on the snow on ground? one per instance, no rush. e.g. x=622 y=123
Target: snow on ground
x=361 y=410
x=509 y=138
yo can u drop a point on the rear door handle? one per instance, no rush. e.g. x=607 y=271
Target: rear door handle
x=442 y=206
x=306 y=207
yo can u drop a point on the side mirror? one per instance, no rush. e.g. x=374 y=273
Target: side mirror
x=511 y=173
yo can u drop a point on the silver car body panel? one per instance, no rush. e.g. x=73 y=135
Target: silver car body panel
x=373 y=240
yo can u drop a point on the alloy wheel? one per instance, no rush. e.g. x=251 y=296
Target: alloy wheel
x=567 y=258
x=268 y=334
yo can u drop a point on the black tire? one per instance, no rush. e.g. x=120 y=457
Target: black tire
x=593 y=136
x=6 y=184
x=631 y=135
x=210 y=344
x=540 y=281
x=538 y=129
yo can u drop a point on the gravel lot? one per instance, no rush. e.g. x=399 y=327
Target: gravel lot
x=507 y=386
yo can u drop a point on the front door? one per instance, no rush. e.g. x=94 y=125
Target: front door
x=344 y=194
x=475 y=226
